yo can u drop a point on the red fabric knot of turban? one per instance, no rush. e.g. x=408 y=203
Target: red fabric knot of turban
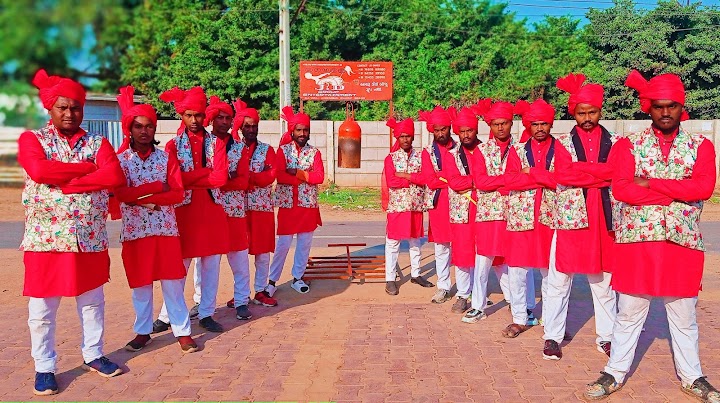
x=466 y=117
x=130 y=111
x=662 y=87
x=241 y=112
x=538 y=111
x=438 y=116
x=292 y=119
x=591 y=94
x=52 y=87
x=406 y=126
x=213 y=110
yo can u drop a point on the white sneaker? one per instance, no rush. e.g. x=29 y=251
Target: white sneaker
x=473 y=316
x=300 y=286
x=271 y=289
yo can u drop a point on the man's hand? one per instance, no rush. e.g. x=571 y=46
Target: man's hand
x=525 y=170
x=291 y=171
x=232 y=175
x=403 y=175
x=642 y=182
x=267 y=168
x=166 y=187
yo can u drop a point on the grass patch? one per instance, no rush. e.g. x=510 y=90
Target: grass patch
x=351 y=199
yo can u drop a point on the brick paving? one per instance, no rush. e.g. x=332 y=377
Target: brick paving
x=345 y=342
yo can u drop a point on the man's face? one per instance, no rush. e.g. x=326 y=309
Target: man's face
x=405 y=141
x=540 y=130
x=222 y=123
x=142 y=130
x=665 y=114
x=301 y=134
x=587 y=116
x=67 y=115
x=249 y=129
x=441 y=134
x=500 y=129
x=468 y=136
x=193 y=120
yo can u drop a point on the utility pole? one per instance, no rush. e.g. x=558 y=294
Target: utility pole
x=285 y=94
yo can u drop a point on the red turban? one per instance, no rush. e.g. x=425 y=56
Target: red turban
x=213 y=110
x=437 y=116
x=406 y=126
x=466 y=117
x=130 y=111
x=241 y=112
x=591 y=94
x=292 y=119
x=193 y=99
x=538 y=111
x=662 y=87
x=52 y=87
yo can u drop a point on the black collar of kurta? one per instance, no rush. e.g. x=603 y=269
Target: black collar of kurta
x=548 y=158
x=605 y=146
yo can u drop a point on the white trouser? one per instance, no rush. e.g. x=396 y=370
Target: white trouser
x=442 y=266
x=173 y=295
x=392 y=251
x=522 y=291
x=302 y=253
x=262 y=271
x=682 y=321
x=240 y=266
x=555 y=304
x=464 y=279
x=480 y=281
x=501 y=272
x=209 y=276
x=41 y=321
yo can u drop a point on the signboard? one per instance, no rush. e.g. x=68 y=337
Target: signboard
x=346 y=81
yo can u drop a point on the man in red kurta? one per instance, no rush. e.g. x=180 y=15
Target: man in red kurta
x=68 y=174
x=405 y=205
x=202 y=221
x=300 y=170
x=432 y=175
x=150 y=239
x=259 y=208
x=662 y=176
x=583 y=241
x=529 y=178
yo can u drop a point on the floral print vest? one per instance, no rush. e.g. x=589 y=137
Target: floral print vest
x=140 y=221
x=185 y=158
x=679 y=222
x=232 y=201
x=459 y=204
x=57 y=222
x=411 y=198
x=260 y=198
x=431 y=194
x=492 y=206
x=307 y=193
x=521 y=204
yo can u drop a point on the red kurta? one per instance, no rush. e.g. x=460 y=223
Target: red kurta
x=298 y=219
x=463 y=241
x=261 y=224
x=585 y=250
x=65 y=274
x=155 y=257
x=407 y=224
x=439 y=217
x=660 y=268
x=530 y=248
x=490 y=236
x=202 y=223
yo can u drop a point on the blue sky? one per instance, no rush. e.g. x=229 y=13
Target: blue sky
x=535 y=10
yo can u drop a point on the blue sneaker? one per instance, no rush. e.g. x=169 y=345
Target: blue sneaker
x=45 y=384
x=532 y=320
x=103 y=366
x=243 y=313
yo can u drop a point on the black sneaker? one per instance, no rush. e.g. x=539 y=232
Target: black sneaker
x=45 y=384
x=391 y=288
x=552 y=350
x=243 y=313
x=194 y=311
x=160 y=326
x=211 y=325
x=419 y=280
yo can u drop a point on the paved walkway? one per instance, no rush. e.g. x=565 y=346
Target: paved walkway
x=345 y=342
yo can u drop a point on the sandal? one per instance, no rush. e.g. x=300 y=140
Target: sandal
x=513 y=330
x=702 y=390
x=602 y=388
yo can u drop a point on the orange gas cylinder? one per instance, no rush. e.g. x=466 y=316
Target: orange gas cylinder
x=349 y=144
